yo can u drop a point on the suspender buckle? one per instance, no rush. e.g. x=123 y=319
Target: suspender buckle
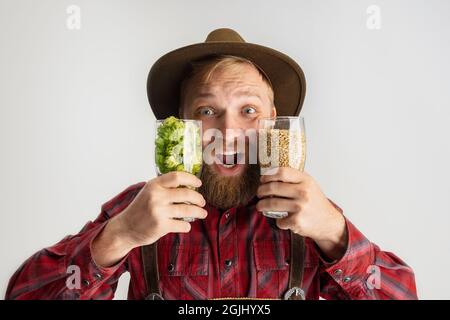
x=154 y=296
x=296 y=292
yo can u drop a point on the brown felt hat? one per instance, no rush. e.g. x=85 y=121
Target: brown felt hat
x=165 y=76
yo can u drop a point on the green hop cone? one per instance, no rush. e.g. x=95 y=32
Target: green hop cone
x=170 y=153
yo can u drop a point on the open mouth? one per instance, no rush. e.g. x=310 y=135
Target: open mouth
x=230 y=159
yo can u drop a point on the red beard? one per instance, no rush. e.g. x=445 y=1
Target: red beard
x=225 y=192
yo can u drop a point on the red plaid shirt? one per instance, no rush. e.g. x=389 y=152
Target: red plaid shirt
x=236 y=253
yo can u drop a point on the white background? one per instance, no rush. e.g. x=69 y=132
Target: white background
x=76 y=128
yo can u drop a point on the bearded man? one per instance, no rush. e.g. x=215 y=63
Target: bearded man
x=231 y=250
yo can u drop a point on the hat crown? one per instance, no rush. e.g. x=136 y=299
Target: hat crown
x=224 y=35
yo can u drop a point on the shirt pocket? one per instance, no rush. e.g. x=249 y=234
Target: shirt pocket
x=184 y=271
x=272 y=260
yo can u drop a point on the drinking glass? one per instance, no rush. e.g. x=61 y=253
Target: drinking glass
x=282 y=143
x=178 y=147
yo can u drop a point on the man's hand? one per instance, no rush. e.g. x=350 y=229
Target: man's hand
x=150 y=216
x=311 y=214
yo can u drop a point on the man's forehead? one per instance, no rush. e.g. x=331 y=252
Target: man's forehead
x=238 y=90
x=233 y=83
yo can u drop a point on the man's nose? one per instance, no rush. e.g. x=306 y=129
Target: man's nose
x=231 y=129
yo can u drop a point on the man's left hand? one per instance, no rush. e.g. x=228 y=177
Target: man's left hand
x=310 y=213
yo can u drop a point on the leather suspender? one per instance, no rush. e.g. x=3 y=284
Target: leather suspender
x=151 y=273
x=295 y=292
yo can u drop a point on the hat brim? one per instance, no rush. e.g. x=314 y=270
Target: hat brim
x=286 y=76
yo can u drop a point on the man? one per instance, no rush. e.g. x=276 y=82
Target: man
x=231 y=250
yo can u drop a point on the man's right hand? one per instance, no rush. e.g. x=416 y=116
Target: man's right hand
x=151 y=215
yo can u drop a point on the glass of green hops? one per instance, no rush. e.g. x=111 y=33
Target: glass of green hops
x=178 y=147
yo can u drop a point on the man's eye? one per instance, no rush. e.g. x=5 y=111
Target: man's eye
x=249 y=110
x=205 y=111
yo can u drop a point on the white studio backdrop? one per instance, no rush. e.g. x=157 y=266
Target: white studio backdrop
x=76 y=128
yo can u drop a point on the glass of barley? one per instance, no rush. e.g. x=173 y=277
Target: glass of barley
x=281 y=143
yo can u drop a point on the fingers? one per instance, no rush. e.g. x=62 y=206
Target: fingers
x=178 y=226
x=284 y=174
x=179 y=178
x=278 y=189
x=278 y=204
x=181 y=195
x=183 y=210
x=285 y=223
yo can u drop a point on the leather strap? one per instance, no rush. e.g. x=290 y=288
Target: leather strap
x=151 y=273
x=295 y=290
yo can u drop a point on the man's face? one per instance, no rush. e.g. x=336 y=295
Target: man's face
x=231 y=101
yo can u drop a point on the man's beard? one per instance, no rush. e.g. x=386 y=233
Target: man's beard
x=225 y=192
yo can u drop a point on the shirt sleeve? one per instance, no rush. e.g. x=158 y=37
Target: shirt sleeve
x=67 y=270
x=366 y=272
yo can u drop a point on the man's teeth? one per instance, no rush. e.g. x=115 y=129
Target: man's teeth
x=228 y=165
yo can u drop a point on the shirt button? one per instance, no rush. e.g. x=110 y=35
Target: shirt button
x=347 y=279
x=171 y=267
x=227 y=215
x=228 y=263
x=86 y=282
x=338 y=272
x=98 y=276
x=287 y=262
